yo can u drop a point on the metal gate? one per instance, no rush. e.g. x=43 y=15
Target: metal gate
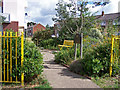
x=115 y=51
x=7 y=63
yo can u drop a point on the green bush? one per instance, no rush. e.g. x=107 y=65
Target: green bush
x=32 y=59
x=95 y=33
x=66 y=56
x=51 y=43
x=42 y=35
x=96 y=61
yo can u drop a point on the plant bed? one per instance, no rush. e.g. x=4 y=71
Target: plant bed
x=38 y=82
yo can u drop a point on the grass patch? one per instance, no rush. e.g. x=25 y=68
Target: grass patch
x=106 y=82
x=39 y=82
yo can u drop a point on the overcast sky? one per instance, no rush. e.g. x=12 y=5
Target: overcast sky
x=42 y=11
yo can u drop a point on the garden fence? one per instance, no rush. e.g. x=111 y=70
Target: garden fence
x=115 y=51
x=7 y=63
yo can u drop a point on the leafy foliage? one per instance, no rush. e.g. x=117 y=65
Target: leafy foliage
x=98 y=62
x=70 y=22
x=32 y=59
x=66 y=56
x=51 y=43
x=42 y=35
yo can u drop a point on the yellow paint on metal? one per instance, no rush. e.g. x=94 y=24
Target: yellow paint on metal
x=9 y=64
x=114 y=43
x=11 y=56
x=22 y=58
x=4 y=53
x=67 y=44
x=10 y=81
x=7 y=59
x=16 y=56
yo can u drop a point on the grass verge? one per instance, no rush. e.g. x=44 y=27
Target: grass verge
x=106 y=82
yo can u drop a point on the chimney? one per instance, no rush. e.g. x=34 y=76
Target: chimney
x=102 y=13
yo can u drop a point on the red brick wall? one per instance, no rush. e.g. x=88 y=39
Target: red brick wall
x=13 y=25
x=38 y=27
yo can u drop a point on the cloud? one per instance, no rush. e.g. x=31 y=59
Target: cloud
x=41 y=11
x=112 y=7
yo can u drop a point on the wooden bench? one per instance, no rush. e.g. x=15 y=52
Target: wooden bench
x=67 y=44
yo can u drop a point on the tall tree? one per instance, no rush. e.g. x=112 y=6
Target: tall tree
x=74 y=18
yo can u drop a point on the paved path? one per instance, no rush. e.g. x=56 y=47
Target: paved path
x=60 y=77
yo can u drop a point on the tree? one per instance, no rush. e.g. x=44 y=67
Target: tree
x=74 y=19
x=30 y=24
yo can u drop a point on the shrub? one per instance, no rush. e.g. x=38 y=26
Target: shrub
x=95 y=33
x=66 y=56
x=42 y=35
x=32 y=59
x=51 y=43
x=96 y=61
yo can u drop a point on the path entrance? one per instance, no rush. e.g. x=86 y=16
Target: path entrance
x=60 y=77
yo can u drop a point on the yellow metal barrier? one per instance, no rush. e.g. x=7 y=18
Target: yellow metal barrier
x=7 y=65
x=114 y=44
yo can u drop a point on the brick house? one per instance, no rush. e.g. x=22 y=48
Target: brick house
x=34 y=28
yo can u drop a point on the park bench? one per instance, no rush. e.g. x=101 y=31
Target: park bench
x=67 y=44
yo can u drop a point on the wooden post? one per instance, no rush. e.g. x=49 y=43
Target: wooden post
x=75 y=51
x=81 y=46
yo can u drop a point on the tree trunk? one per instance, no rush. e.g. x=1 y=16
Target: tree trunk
x=75 y=51
x=81 y=46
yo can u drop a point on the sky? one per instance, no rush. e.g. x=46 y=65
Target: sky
x=42 y=11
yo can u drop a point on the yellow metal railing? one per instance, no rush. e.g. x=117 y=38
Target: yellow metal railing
x=7 y=62
x=115 y=43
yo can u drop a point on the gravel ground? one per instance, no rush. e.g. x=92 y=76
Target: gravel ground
x=60 y=77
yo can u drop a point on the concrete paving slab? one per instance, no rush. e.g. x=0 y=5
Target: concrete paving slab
x=60 y=77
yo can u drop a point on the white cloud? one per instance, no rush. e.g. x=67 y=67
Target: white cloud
x=42 y=10
x=112 y=7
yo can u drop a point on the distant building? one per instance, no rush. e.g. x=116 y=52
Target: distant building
x=34 y=28
x=106 y=19
x=12 y=25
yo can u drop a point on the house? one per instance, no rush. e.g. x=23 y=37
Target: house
x=106 y=19
x=12 y=25
x=34 y=28
x=14 y=12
